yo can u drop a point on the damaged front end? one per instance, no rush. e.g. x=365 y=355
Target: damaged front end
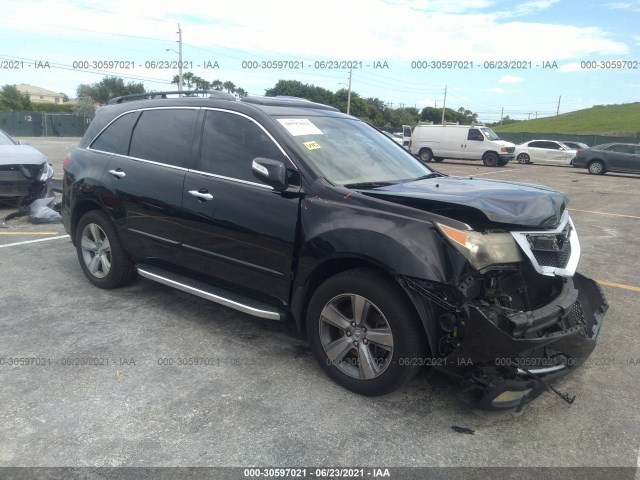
x=520 y=318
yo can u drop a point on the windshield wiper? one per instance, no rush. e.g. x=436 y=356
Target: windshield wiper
x=368 y=184
x=430 y=175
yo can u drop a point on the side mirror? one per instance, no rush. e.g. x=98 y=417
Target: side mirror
x=271 y=172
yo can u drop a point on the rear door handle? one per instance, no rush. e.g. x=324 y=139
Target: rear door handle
x=201 y=194
x=118 y=173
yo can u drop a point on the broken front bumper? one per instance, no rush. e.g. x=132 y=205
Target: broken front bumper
x=503 y=370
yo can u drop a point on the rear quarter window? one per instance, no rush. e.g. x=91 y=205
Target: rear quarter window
x=116 y=137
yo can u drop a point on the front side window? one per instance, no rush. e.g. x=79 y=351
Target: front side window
x=536 y=145
x=115 y=138
x=164 y=136
x=230 y=142
x=475 y=134
x=349 y=152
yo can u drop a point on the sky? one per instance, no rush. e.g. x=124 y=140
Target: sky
x=524 y=59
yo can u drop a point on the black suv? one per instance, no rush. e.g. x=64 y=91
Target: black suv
x=290 y=210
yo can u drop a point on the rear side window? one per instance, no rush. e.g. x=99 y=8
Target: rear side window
x=618 y=148
x=115 y=138
x=164 y=136
x=230 y=142
x=537 y=145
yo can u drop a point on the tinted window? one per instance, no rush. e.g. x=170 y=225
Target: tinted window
x=536 y=144
x=230 y=143
x=551 y=145
x=115 y=139
x=164 y=136
x=618 y=148
x=474 y=134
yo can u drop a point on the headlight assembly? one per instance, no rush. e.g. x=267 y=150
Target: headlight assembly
x=483 y=249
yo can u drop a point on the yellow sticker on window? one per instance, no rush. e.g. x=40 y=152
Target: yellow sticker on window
x=312 y=145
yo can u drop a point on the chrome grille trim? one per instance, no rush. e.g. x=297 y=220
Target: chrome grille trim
x=572 y=248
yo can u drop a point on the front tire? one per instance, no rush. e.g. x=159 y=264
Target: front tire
x=523 y=158
x=364 y=332
x=596 y=168
x=490 y=159
x=102 y=258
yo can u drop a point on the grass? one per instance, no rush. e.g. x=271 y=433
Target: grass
x=621 y=119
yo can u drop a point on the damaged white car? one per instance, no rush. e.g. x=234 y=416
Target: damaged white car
x=24 y=171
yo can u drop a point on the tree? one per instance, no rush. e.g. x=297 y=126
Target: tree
x=463 y=116
x=111 y=86
x=84 y=106
x=229 y=87
x=294 y=88
x=13 y=99
x=201 y=83
x=216 y=85
x=241 y=92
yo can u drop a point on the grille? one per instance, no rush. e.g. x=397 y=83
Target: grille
x=577 y=314
x=557 y=259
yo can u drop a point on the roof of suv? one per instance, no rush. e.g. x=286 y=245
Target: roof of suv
x=272 y=106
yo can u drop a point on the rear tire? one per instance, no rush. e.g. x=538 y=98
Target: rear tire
x=102 y=258
x=596 y=168
x=523 y=158
x=490 y=159
x=364 y=332
x=425 y=155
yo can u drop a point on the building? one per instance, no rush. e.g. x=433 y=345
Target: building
x=39 y=94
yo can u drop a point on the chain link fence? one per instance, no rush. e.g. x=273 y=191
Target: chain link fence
x=44 y=124
x=589 y=139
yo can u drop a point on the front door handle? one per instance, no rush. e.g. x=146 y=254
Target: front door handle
x=118 y=173
x=201 y=194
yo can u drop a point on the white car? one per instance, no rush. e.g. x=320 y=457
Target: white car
x=544 y=151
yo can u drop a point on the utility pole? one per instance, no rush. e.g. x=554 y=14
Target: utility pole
x=349 y=92
x=558 y=110
x=180 y=59
x=501 y=116
x=444 y=104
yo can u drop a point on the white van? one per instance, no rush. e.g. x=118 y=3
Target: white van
x=465 y=142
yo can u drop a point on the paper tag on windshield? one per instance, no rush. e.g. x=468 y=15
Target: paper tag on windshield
x=300 y=126
x=312 y=145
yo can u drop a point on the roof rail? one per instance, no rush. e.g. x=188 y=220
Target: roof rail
x=153 y=95
x=286 y=101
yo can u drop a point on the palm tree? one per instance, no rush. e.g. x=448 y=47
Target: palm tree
x=216 y=85
x=229 y=87
x=241 y=92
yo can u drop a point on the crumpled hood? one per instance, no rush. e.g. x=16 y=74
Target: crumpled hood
x=502 y=202
x=20 y=155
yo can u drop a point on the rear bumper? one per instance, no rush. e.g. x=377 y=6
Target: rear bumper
x=559 y=337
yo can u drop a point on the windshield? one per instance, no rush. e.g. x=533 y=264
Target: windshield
x=350 y=152
x=5 y=139
x=490 y=134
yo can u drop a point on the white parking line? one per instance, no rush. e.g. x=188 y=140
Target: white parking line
x=33 y=241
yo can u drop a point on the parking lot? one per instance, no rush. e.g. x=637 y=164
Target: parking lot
x=114 y=382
